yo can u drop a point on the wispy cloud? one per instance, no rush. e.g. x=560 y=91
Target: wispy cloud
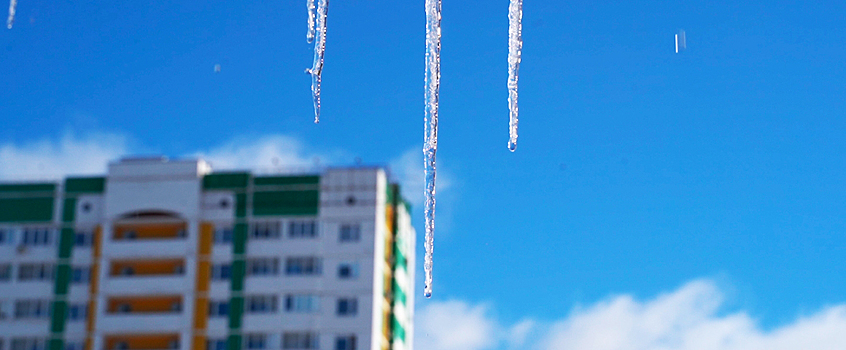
x=685 y=319
x=408 y=170
x=454 y=325
x=90 y=153
x=53 y=159
x=270 y=152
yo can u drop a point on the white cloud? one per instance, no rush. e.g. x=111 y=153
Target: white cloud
x=53 y=159
x=685 y=319
x=518 y=333
x=89 y=154
x=271 y=153
x=454 y=325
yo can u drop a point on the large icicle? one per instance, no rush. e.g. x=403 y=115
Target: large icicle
x=11 y=20
x=515 y=52
x=430 y=143
x=310 y=33
x=316 y=69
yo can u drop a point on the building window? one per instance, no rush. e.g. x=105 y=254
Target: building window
x=35 y=308
x=74 y=345
x=218 y=308
x=347 y=271
x=259 y=304
x=83 y=239
x=216 y=344
x=124 y=308
x=37 y=236
x=77 y=312
x=223 y=234
x=308 y=265
x=35 y=272
x=221 y=271
x=5 y=236
x=262 y=266
x=256 y=341
x=33 y=343
x=345 y=342
x=347 y=307
x=130 y=235
x=266 y=230
x=350 y=233
x=5 y=272
x=302 y=303
x=302 y=229
x=81 y=274
x=299 y=340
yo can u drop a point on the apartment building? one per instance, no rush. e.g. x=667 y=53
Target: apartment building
x=165 y=255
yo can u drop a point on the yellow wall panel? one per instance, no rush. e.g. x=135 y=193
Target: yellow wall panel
x=145 y=304
x=150 y=231
x=148 y=267
x=142 y=341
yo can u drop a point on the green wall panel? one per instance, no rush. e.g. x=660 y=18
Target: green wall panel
x=56 y=344
x=85 y=185
x=62 y=280
x=223 y=181
x=241 y=205
x=236 y=311
x=399 y=330
x=57 y=316
x=69 y=210
x=66 y=238
x=239 y=269
x=13 y=188
x=399 y=294
x=286 y=203
x=26 y=209
x=234 y=342
x=286 y=180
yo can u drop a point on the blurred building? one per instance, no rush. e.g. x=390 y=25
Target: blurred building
x=159 y=255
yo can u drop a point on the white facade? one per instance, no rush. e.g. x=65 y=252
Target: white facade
x=318 y=261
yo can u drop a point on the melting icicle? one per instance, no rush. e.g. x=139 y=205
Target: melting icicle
x=515 y=51
x=11 y=20
x=316 y=69
x=430 y=143
x=310 y=34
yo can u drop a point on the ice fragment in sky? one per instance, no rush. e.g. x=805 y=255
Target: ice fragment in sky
x=430 y=137
x=310 y=33
x=11 y=20
x=515 y=51
x=316 y=69
x=681 y=41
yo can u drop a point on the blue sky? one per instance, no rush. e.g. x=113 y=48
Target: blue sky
x=638 y=171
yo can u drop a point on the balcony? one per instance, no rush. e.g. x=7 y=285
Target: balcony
x=146 y=285
x=143 y=314
x=151 y=248
x=141 y=342
x=141 y=323
x=161 y=228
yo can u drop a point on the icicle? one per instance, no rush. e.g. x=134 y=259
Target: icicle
x=316 y=69
x=11 y=20
x=310 y=33
x=515 y=51
x=430 y=145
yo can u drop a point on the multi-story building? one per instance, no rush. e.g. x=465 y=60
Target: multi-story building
x=160 y=255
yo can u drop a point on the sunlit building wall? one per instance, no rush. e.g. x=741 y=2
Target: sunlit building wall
x=160 y=255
